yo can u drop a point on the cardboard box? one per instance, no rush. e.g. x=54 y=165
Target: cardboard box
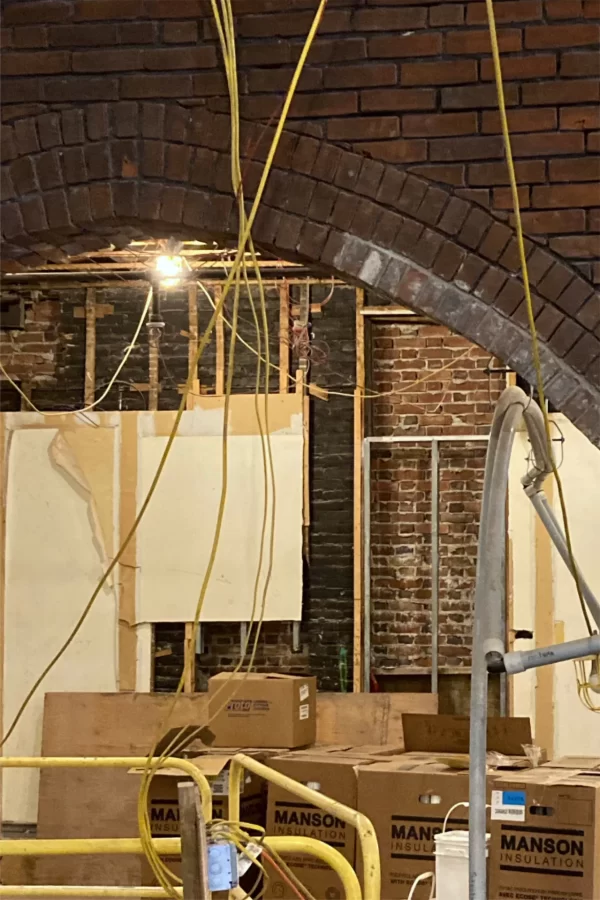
x=267 y=711
x=334 y=774
x=407 y=797
x=545 y=834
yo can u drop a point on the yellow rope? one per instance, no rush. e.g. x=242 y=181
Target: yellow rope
x=535 y=349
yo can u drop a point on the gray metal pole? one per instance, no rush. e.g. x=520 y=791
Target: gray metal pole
x=366 y=461
x=435 y=563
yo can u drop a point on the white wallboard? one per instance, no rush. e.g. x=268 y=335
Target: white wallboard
x=53 y=563
x=576 y=729
x=176 y=534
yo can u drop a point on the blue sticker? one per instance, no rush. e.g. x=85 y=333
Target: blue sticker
x=513 y=798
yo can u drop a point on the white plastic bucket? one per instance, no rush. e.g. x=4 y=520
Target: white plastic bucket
x=452 y=865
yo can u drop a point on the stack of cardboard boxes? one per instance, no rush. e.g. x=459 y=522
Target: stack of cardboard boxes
x=544 y=822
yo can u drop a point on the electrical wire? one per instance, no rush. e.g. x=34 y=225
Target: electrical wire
x=112 y=381
x=226 y=37
x=535 y=350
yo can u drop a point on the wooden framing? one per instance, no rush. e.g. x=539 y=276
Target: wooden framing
x=300 y=389
x=358 y=492
x=153 y=378
x=189 y=659
x=128 y=564
x=90 y=347
x=284 y=338
x=220 y=339
x=544 y=631
x=193 y=342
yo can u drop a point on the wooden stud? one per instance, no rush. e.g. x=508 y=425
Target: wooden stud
x=358 y=492
x=90 y=347
x=284 y=338
x=544 y=631
x=128 y=562
x=220 y=338
x=189 y=660
x=153 y=339
x=300 y=386
x=193 y=343
x=26 y=389
x=194 y=844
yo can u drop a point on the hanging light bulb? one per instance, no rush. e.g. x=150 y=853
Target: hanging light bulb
x=170 y=269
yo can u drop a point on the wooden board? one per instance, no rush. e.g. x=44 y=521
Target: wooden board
x=367 y=718
x=95 y=803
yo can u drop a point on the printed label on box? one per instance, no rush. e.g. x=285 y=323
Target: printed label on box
x=304 y=692
x=304 y=711
x=509 y=806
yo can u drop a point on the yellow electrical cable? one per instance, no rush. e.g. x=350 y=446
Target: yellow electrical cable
x=159 y=868
x=110 y=383
x=535 y=351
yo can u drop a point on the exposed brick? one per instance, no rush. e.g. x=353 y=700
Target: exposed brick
x=97 y=160
x=30 y=13
x=57 y=210
x=413 y=193
x=203 y=57
x=450 y=149
x=432 y=205
x=34 y=214
x=454 y=216
x=510 y=296
x=452 y=173
x=503 y=199
x=583 y=356
x=391 y=185
x=26 y=136
x=23 y=175
x=330 y=51
x=364 y=220
x=31 y=36
x=540 y=37
x=72 y=126
x=398 y=46
x=566 y=196
x=538 y=265
x=589 y=314
x=305 y=155
x=343 y=211
x=369 y=179
x=155 y=86
x=74 y=166
x=491 y=284
x=387 y=228
x=564 y=9
x=97 y=121
x=554 y=221
x=180 y=32
x=177 y=120
x=449 y=72
x=521 y=120
x=548 y=321
x=547 y=144
x=83 y=35
x=448 y=261
x=395 y=151
x=397 y=99
x=560 y=92
x=475 y=41
x=153 y=119
x=108 y=9
x=446 y=14
x=137 y=32
x=478 y=96
x=292 y=23
x=580 y=117
x=114 y=60
x=529 y=171
x=126 y=118
x=358 y=76
x=555 y=281
x=48 y=62
x=47 y=167
x=470 y=272
x=427 y=247
x=495 y=241
x=565 y=336
x=575 y=295
x=65 y=90
x=363 y=128
x=475 y=228
x=579 y=64
x=581 y=246
x=390 y=19
x=439 y=125
x=510 y=11
x=171 y=209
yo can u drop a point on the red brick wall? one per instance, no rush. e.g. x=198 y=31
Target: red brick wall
x=460 y=401
x=406 y=82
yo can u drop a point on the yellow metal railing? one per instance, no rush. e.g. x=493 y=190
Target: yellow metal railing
x=366 y=833
x=172 y=846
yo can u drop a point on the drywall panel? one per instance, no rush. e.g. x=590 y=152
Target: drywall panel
x=55 y=554
x=576 y=729
x=176 y=535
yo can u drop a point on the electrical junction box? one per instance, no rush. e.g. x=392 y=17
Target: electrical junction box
x=222 y=867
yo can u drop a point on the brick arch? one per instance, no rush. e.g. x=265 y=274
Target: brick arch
x=83 y=177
